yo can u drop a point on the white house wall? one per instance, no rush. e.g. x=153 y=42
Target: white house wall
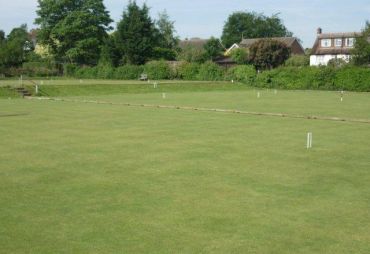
x=316 y=60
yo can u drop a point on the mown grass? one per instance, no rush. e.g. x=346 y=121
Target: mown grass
x=92 y=178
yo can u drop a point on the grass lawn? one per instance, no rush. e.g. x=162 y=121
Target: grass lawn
x=94 y=178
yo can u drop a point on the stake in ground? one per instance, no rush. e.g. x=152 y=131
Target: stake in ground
x=80 y=177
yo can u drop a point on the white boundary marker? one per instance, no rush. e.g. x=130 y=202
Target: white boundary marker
x=309 y=140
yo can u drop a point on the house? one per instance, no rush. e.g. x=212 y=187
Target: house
x=332 y=46
x=292 y=43
x=197 y=43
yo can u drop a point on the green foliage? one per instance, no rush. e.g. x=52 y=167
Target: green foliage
x=164 y=54
x=322 y=78
x=188 y=71
x=157 y=70
x=14 y=48
x=69 y=70
x=268 y=53
x=352 y=78
x=87 y=72
x=135 y=36
x=242 y=73
x=337 y=63
x=210 y=71
x=39 y=69
x=128 y=72
x=361 y=50
x=213 y=49
x=298 y=61
x=252 y=25
x=105 y=72
x=191 y=54
x=240 y=55
x=74 y=30
x=166 y=32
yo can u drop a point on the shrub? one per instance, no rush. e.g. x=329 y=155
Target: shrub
x=353 y=79
x=164 y=54
x=127 y=72
x=69 y=69
x=242 y=73
x=240 y=55
x=105 y=72
x=298 y=61
x=158 y=70
x=210 y=71
x=188 y=71
x=87 y=72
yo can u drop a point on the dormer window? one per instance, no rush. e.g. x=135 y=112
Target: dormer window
x=325 y=43
x=338 y=42
x=350 y=42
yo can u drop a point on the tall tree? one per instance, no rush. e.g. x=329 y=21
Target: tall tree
x=268 y=53
x=135 y=35
x=74 y=30
x=213 y=48
x=252 y=25
x=361 y=50
x=15 y=47
x=2 y=36
x=166 y=31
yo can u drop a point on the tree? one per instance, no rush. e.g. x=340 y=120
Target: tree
x=213 y=49
x=240 y=55
x=191 y=54
x=166 y=32
x=268 y=53
x=252 y=25
x=361 y=50
x=15 y=47
x=73 y=30
x=135 y=35
x=2 y=36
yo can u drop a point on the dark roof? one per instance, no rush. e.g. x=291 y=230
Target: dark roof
x=317 y=50
x=194 y=42
x=338 y=35
x=287 y=40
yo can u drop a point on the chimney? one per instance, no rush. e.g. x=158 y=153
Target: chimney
x=319 y=30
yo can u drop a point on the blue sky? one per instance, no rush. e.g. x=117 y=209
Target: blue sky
x=205 y=18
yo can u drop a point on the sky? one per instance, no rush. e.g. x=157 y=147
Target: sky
x=205 y=18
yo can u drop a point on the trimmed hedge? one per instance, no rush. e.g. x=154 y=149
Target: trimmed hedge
x=242 y=73
x=158 y=70
x=210 y=71
x=316 y=78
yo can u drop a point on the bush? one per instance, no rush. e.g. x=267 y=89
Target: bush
x=35 y=69
x=87 y=72
x=353 y=79
x=158 y=70
x=69 y=69
x=105 y=72
x=188 y=71
x=323 y=78
x=298 y=61
x=164 y=54
x=242 y=73
x=210 y=71
x=127 y=72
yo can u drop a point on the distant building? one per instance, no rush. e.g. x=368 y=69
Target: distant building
x=291 y=42
x=330 y=46
x=193 y=42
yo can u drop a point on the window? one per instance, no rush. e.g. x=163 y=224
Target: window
x=350 y=42
x=325 y=43
x=338 y=42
